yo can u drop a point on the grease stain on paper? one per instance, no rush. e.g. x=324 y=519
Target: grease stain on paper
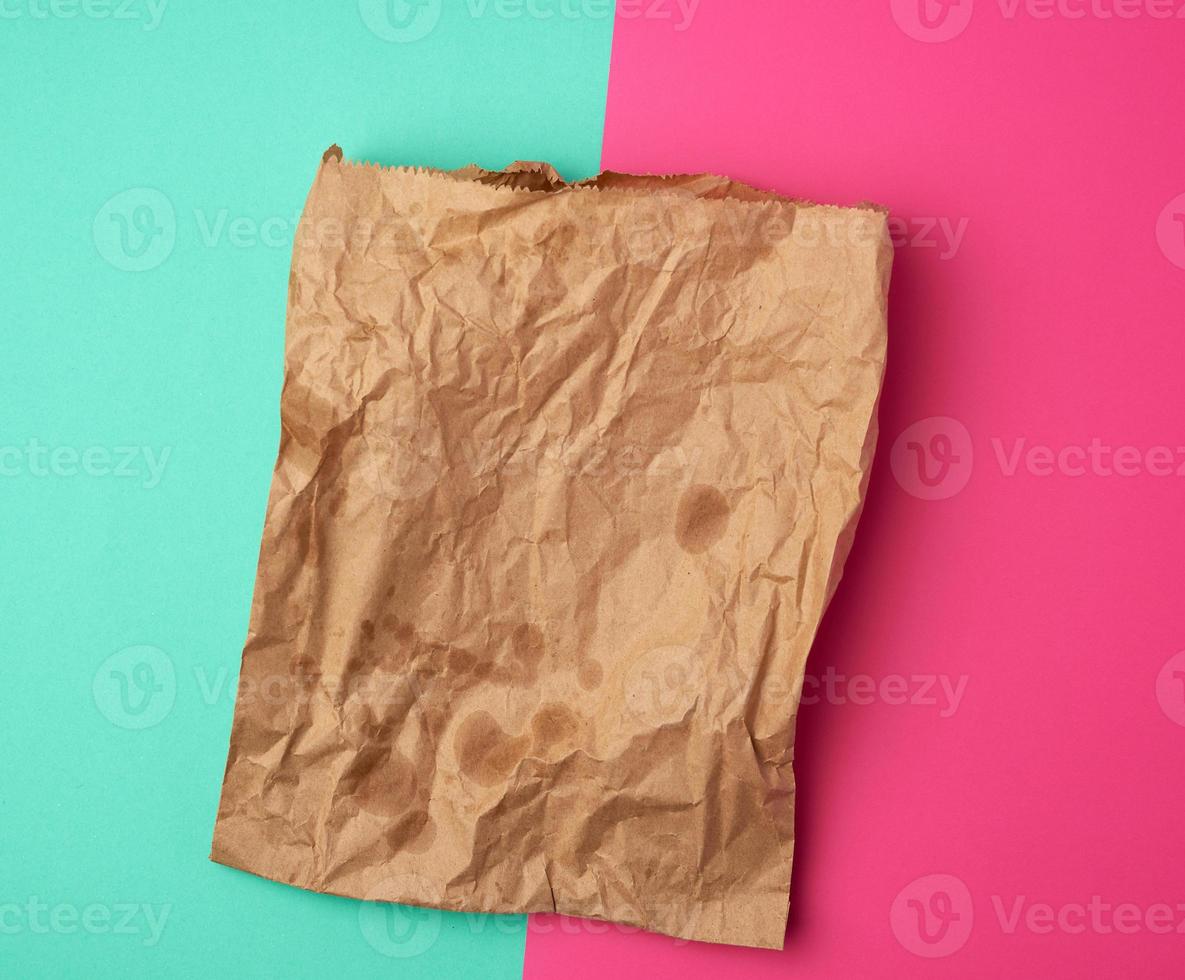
x=701 y=519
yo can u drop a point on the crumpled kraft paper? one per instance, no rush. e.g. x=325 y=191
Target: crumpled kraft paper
x=567 y=476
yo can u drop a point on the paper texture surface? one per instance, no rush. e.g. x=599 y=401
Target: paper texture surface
x=567 y=476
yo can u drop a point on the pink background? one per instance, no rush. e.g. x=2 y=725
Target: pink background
x=1058 y=320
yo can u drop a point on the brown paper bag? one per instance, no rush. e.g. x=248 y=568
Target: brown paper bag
x=567 y=476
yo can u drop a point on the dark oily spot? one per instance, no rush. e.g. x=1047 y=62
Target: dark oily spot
x=461 y=660
x=590 y=674
x=701 y=519
x=367 y=630
x=397 y=628
x=485 y=752
x=553 y=724
x=383 y=782
x=425 y=835
x=436 y=662
x=302 y=662
x=433 y=720
x=525 y=642
x=414 y=831
x=528 y=643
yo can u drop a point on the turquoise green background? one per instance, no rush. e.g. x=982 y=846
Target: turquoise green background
x=224 y=109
